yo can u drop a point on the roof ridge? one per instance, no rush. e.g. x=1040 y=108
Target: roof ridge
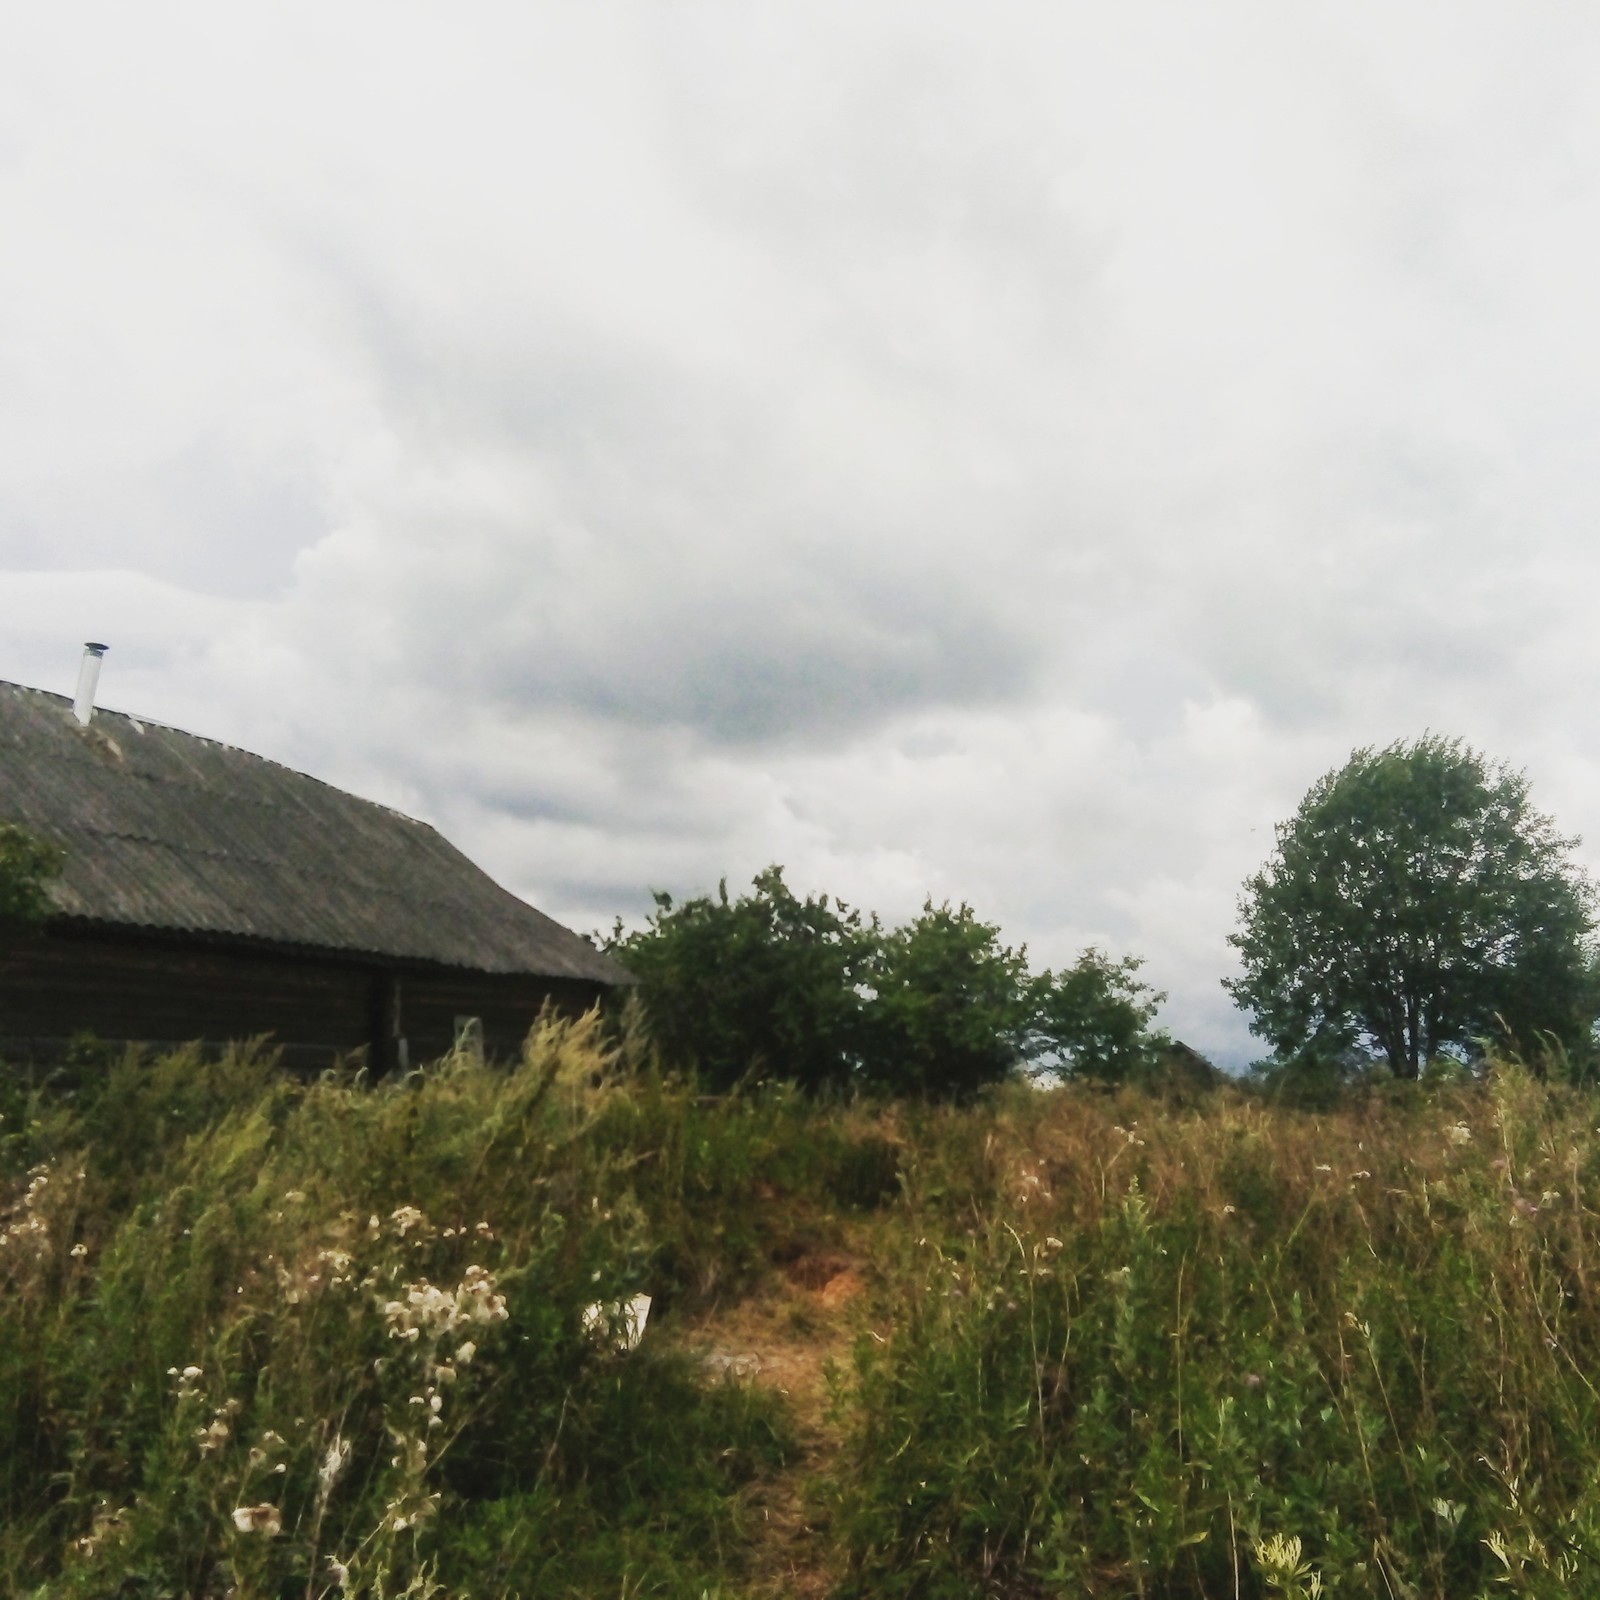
x=145 y=723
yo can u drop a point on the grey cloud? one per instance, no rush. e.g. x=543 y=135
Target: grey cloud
x=206 y=515
x=1006 y=457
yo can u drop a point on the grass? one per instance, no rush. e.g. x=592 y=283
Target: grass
x=273 y=1338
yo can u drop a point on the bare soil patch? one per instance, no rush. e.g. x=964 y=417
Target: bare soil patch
x=790 y=1335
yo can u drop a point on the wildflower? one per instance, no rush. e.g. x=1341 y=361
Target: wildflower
x=214 y=1435
x=80 y=1251
x=341 y=1573
x=334 y=1461
x=106 y=1527
x=263 y=1518
x=465 y=1352
x=1282 y=1567
x=1458 y=1133
x=405 y=1218
x=184 y=1386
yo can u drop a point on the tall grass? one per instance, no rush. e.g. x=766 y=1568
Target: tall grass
x=1239 y=1352
x=268 y=1338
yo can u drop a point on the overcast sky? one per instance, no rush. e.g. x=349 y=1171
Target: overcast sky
x=999 y=452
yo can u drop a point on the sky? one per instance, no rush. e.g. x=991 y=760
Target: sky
x=998 y=453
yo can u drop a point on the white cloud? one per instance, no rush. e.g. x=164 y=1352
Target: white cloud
x=1000 y=455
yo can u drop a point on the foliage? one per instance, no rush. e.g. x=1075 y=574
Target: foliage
x=952 y=1007
x=1125 y=1351
x=765 y=984
x=263 y=1337
x=810 y=992
x=273 y=1338
x=1416 y=903
x=27 y=864
x=1094 y=1018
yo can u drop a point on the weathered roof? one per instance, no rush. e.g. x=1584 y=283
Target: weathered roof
x=164 y=830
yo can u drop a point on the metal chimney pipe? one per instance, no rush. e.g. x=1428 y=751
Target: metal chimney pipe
x=88 y=680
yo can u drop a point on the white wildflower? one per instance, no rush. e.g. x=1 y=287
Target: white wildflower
x=264 y=1518
x=214 y=1435
x=334 y=1461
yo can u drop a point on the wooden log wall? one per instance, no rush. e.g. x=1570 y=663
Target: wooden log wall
x=58 y=983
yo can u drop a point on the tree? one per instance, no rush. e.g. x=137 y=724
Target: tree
x=808 y=990
x=1093 y=1019
x=952 y=1008
x=27 y=864
x=1415 y=904
x=767 y=983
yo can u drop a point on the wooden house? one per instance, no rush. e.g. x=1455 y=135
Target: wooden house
x=208 y=893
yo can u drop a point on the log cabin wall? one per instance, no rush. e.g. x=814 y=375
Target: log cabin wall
x=56 y=984
x=129 y=989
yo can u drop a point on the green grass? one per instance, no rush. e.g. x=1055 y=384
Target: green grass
x=1131 y=1347
x=1110 y=1345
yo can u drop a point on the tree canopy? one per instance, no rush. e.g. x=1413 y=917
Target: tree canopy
x=27 y=864
x=1415 y=904
x=812 y=991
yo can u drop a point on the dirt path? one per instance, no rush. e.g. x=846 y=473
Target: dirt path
x=785 y=1337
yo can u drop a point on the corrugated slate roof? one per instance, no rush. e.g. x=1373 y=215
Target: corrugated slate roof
x=166 y=830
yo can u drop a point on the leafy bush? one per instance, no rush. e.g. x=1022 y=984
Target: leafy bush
x=27 y=864
x=769 y=985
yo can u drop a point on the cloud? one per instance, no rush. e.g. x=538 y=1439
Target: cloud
x=1001 y=456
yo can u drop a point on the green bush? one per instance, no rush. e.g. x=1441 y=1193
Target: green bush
x=769 y=986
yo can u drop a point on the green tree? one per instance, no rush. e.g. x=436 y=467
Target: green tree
x=953 y=1008
x=1093 y=1019
x=1415 y=904
x=768 y=983
x=808 y=990
x=27 y=864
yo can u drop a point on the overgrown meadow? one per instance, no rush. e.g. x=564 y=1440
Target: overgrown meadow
x=269 y=1338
